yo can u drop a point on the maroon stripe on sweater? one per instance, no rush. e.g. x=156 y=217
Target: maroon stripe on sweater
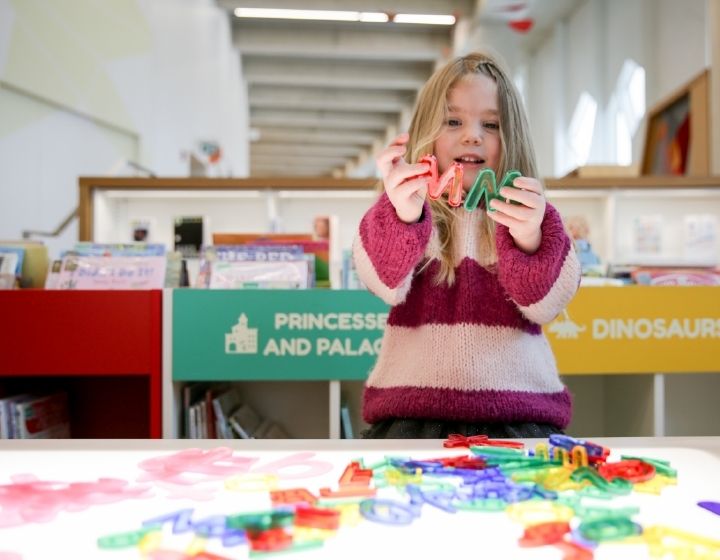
x=394 y=247
x=475 y=298
x=528 y=278
x=467 y=406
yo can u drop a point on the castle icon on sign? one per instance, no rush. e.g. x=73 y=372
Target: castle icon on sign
x=564 y=327
x=241 y=340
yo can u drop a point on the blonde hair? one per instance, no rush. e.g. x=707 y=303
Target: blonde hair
x=516 y=151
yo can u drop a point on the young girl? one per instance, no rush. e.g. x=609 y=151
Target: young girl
x=463 y=350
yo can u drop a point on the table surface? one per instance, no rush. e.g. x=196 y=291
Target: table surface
x=72 y=492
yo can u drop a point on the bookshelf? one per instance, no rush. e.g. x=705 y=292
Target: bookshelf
x=649 y=402
x=102 y=347
x=294 y=353
x=613 y=206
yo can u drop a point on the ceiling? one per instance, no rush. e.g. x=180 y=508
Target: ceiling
x=324 y=96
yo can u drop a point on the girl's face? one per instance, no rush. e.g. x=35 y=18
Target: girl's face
x=471 y=134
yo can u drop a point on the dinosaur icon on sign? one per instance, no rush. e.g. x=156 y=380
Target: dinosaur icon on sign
x=564 y=327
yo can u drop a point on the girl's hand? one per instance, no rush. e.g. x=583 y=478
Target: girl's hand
x=523 y=220
x=405 y=184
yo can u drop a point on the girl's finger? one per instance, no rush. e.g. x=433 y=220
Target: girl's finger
x=526 y=198
x=400 y=139
x=528 y=184
x=389 y=157
x=520 y=213
x=400 y=174
x=408 y=188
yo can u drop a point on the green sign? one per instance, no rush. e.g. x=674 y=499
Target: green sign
x=275 y=334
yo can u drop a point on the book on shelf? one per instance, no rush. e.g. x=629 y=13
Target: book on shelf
x=245 y=421
x=198 y=418
x=676 y=276
x=320 y=248
x=218 y=411
x=350 y=278
x=31 y=416
x=224 y=404
x=176 y=273
x=79 y=272
x=346 y=427
x=52 y=282
x=260 y=274
x=11 y=259
x=91 y=249
x=248 y=424
x=34 y=262
x=270 y=430
x=109 y=266
x=7 y=415
x=232 y=253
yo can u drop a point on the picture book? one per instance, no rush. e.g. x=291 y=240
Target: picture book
x=90 y=249
x=251 y=252
x=11 y=260
x=111 y=273
x=310 y=245
x=52 y=282
x=259 y=274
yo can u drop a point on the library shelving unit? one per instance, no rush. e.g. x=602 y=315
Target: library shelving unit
x=104 y=348
x=296 y=353
x=655 y=385
x=653 y=382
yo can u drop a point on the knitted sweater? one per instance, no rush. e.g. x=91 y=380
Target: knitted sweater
x=474 y=351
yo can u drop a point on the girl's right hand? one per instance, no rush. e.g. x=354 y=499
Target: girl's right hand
x=405 y=184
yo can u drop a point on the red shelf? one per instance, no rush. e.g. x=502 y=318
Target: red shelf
x=59 y=338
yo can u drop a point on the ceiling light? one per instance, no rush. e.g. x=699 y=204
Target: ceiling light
x=427 y=19
x=318 y=15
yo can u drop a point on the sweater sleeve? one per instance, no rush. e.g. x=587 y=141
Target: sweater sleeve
x=543 y=283
x=387 y=250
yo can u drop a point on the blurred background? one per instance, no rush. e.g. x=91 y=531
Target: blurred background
x=218 y=88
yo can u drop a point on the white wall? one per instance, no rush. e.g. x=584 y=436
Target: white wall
x=666 y=38
x=85 y=84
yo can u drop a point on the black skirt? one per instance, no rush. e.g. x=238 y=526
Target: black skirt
x=411 y=428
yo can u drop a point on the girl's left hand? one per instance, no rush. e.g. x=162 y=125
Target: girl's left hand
x=524 y=219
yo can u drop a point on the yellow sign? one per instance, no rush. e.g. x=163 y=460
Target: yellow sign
x=639 y=329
